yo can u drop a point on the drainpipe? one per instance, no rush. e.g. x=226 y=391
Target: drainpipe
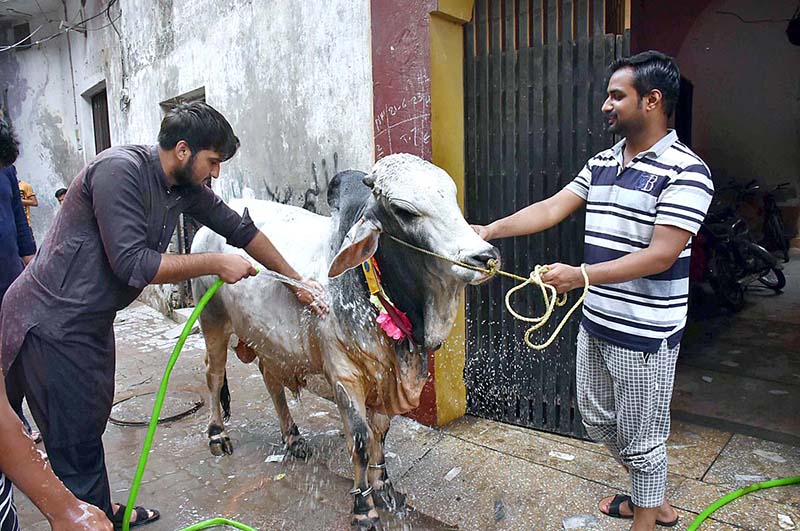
x=72 y=78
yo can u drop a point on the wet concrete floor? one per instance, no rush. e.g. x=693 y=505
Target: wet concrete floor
x=741 y=372
x=473 y=474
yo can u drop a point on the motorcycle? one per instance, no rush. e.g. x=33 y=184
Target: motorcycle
x=725 y=255
x=775 y=236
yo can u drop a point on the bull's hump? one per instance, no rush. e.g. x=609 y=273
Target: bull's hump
x=271 y=211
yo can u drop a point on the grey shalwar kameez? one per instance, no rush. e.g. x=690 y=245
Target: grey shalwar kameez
x=56 y=325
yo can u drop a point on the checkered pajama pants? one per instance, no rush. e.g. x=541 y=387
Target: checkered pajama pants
x=624 y=397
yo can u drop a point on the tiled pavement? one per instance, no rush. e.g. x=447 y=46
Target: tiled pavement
x=473 y=474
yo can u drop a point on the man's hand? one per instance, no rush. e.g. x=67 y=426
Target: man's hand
x=27 y=259
x=232 y=268
x=563 y=277
x=482 y=231
x=313 y=296
x=85 y=517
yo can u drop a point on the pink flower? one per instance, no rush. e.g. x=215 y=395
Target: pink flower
x=388 y=326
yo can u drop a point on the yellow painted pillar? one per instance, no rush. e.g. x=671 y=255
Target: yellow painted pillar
x=447 y=138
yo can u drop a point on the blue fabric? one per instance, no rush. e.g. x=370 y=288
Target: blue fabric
x=16 y=238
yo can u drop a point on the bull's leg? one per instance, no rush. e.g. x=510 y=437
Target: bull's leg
x=216 y=335
x=383 y=493
x=359 y=439
x=296 y=445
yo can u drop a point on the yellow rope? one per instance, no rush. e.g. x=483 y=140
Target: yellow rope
x=549 y=293
x=551 y=300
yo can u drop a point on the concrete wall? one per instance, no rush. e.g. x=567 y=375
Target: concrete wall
x=293 y=78
x=36 y=96
x=746 y=108
x=663 y=24
x=746 y=112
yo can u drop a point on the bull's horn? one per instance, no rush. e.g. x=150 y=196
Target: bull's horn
x=369 y=179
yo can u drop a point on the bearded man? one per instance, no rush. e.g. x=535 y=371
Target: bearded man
x=107 y=243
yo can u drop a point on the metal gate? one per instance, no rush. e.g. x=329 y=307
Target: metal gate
x=534 y=84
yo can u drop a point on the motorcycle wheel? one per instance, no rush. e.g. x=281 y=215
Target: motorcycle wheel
x=774 y=279
x=777 y=234
x=729 y=292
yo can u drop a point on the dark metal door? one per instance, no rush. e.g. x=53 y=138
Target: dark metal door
x=534 y=84
x=102 y=132
x=186 y=229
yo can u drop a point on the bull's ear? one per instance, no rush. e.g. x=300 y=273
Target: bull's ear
x=358 y=246
x=369 y=179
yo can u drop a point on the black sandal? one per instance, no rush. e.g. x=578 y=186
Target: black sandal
x=669 y=524
x=613 y=507
x=619 y=499
x=142 y=516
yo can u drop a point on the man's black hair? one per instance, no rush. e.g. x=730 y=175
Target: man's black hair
x=60 y=192
x=653 y=70
x=9 y=147
x=199 y=125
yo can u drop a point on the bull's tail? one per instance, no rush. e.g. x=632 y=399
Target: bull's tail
x=225 y=399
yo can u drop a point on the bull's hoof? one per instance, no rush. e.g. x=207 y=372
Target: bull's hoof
x=387 y=498
x=363 y=522
x=299 y=448
x=220 y=445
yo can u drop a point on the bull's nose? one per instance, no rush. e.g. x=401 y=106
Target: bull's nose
x=484 y=257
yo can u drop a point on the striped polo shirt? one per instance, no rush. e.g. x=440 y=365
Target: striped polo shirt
x=8 y=511
x=666 y=185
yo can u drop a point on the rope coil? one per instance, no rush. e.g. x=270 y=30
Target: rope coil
x=551 y=300
x=549 y=293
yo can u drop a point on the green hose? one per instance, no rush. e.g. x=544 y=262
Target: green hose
x=741 y=492
x=162 y=391
x=215 y=522
x=151 y=430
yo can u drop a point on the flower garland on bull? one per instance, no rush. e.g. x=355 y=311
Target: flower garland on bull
x=392 y=320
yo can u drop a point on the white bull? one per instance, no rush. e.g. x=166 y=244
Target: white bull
x=373 y=377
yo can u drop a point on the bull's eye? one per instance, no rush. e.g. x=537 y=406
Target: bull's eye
x=405 y=211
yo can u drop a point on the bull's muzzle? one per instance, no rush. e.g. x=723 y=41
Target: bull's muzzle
x=488 y=258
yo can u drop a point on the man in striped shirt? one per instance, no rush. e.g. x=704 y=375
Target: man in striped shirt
x=645 y=198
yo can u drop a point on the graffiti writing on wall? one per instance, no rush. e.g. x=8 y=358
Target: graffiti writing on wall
x=309 y=198
x=404 y=126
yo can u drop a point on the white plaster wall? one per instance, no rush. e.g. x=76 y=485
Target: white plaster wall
x=746 y=109
x=41 y=110
x=293 y=78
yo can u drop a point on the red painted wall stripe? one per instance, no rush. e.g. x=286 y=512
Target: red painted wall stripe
x=401 y=84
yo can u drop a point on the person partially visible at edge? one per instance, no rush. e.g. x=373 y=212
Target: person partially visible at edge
x=107 y=243
x=60 y=194
x=645 y=198
x=20 y=462
x=17 y=245
x=29 y=200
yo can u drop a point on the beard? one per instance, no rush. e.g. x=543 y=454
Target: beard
x=633 y=123
x=614 y=128
x=184 y=176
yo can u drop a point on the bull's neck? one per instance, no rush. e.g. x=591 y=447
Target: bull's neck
x=414 y=283
x=403 y=274
x=351 y=300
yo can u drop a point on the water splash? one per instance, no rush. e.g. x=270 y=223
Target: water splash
x=282 y=278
